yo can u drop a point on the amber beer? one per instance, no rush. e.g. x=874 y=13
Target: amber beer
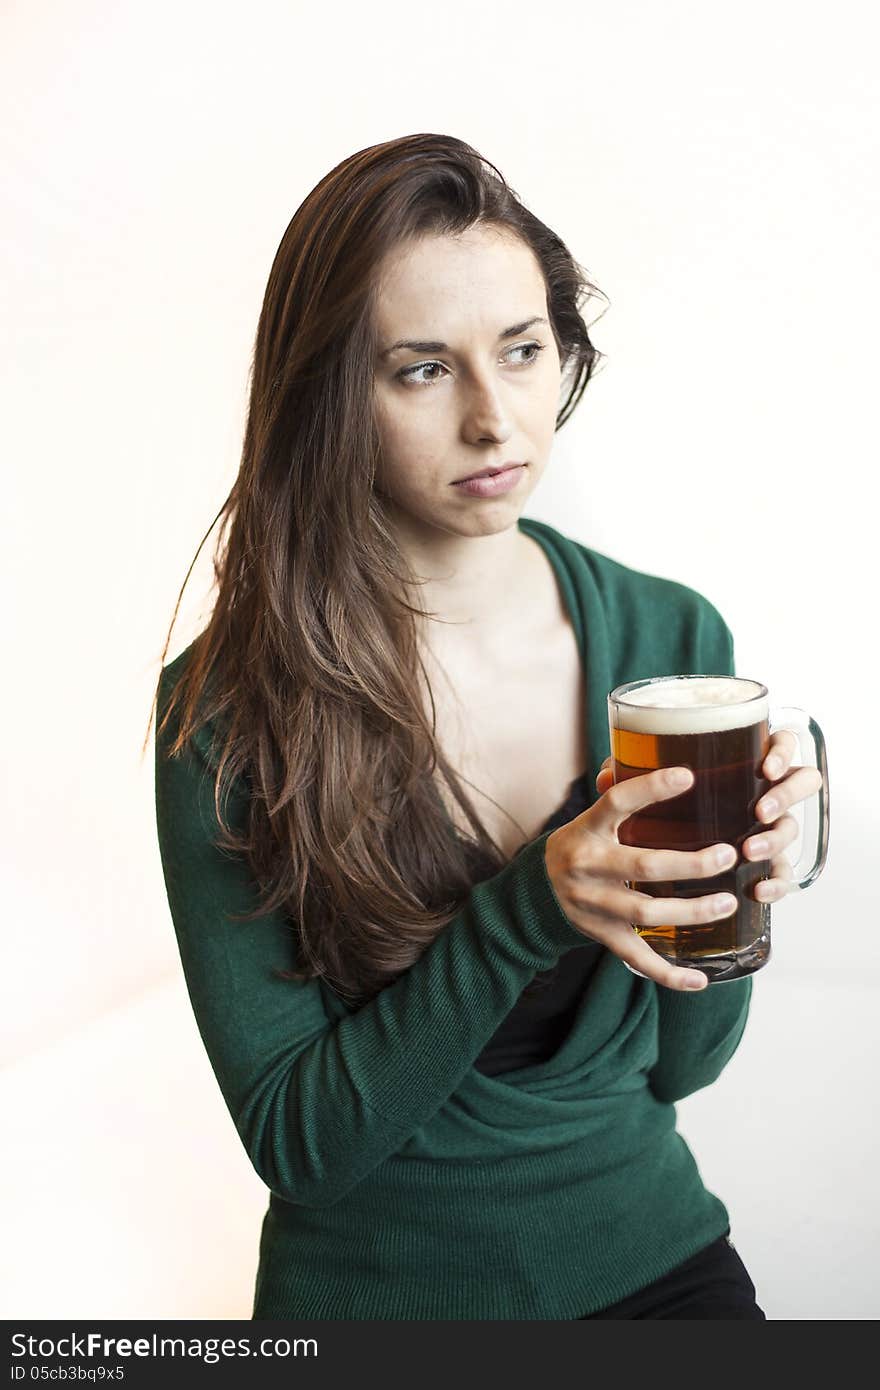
x=719 y=728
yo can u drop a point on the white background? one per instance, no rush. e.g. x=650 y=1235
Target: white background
x=714 y=167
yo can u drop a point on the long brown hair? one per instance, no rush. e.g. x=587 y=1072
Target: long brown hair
x=308 y=673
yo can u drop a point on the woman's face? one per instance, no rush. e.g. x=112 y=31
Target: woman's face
x=484 y=398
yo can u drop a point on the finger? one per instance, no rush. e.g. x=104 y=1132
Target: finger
x=780 y=883
x=783 y=746
x=799 y=784
x=642 y=865
x=621 y=904
x=630 y=947
x=781 y=867
x=770 y=842
x=633 y=793
x=771 y=890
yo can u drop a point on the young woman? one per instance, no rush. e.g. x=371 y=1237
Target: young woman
x=385 y=814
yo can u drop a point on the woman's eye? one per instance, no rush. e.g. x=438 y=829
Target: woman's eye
x=408 y=374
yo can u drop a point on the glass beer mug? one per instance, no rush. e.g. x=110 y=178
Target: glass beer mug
x=719 y=727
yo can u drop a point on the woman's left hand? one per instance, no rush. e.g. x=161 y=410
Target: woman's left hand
x=790 y=785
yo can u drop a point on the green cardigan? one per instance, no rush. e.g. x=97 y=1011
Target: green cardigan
x=404 y=1183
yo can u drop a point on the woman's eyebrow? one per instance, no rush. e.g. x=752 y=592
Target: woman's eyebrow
x=424 y=345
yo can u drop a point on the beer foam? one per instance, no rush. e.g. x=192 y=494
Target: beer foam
x=698 y=705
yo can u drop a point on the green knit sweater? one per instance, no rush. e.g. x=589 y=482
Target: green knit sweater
x=403 y=1182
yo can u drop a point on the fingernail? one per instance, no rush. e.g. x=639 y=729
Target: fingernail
x=758 y=846
x=723 y=902
x=769 y=808
x=772 y=765
x=725 y=855
x=695 y=982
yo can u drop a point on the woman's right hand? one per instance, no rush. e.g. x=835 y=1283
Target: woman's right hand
x=587 y=866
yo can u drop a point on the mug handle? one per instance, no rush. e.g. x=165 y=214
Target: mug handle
x=816 y=809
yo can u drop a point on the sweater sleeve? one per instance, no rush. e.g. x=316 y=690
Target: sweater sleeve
x=698 y=1033
x=319 y=1102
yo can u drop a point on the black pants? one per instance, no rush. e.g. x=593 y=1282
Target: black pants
x=714 y=1283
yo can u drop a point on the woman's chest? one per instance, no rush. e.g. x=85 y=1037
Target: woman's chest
x=515 y=729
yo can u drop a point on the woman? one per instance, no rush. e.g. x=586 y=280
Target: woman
x=405 y=957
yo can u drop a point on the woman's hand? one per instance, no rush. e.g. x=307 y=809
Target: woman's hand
x=791 y=787
x=588 y=868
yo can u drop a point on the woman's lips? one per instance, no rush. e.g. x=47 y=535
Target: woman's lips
x=494 y=484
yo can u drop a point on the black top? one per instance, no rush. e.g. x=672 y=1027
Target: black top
x=542 y=1016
